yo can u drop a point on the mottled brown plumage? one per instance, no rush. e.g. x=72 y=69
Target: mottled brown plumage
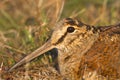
x=83 y=49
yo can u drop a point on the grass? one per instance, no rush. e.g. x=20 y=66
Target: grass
x=26 y=24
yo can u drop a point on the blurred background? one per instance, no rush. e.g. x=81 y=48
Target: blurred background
x=26 y=24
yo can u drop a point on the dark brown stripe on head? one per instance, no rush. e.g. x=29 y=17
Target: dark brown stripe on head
x=61 y=39
x=95 y=29
x=80 y=24
x=88 y=27
x=70 y=21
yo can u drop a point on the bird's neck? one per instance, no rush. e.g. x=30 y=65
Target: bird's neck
x=69 y=55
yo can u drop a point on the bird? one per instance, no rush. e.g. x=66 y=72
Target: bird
x=83 y=50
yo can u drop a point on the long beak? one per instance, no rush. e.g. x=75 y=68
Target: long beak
x=46 y=47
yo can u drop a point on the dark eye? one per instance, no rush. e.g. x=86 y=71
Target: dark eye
x=70 y=29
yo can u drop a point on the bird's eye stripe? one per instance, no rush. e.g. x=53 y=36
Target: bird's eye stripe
x=61 y=39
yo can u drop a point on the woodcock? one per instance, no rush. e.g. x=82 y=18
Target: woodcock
x=83 y=50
